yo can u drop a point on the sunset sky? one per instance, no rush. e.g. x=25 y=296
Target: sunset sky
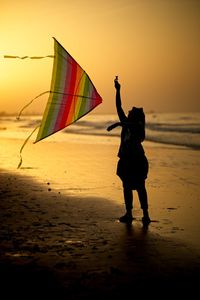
x=152 y=45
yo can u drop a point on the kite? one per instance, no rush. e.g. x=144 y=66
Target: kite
x=72 y=95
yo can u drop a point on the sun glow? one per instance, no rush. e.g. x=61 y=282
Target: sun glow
x=153 y=46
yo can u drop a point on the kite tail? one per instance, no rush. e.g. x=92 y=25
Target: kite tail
x=22 y=147
x=19 y=115
x=31 y=57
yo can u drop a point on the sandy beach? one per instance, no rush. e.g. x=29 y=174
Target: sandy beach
x=60 y=235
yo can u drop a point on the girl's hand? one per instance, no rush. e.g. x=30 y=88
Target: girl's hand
x=117 y=85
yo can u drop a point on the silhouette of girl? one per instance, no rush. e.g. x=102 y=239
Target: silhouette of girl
x=132 y=167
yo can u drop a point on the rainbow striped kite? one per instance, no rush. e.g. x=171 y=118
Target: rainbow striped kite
x=72 y=94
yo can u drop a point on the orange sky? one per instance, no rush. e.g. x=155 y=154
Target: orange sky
x=152 y=45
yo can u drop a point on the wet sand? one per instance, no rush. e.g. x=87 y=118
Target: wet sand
x=60 y=236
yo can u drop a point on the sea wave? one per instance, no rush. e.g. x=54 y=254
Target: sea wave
x=172 y=129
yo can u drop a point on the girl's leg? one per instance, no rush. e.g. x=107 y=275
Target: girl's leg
x=128 y=199
x=142 y=194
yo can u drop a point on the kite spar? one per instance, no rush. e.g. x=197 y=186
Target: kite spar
x=72 y=95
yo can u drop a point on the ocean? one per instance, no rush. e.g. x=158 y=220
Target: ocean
x=171 y=129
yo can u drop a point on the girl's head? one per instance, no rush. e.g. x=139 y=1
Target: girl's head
x=136 y=114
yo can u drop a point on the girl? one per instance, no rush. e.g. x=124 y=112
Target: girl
x=132 y=167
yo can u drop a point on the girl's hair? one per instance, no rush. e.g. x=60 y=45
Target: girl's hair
x=136 y=119
x=138 y=115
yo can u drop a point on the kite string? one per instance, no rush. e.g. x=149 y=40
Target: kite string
x=19 y=115
x=29 y=103
x=22 y=147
